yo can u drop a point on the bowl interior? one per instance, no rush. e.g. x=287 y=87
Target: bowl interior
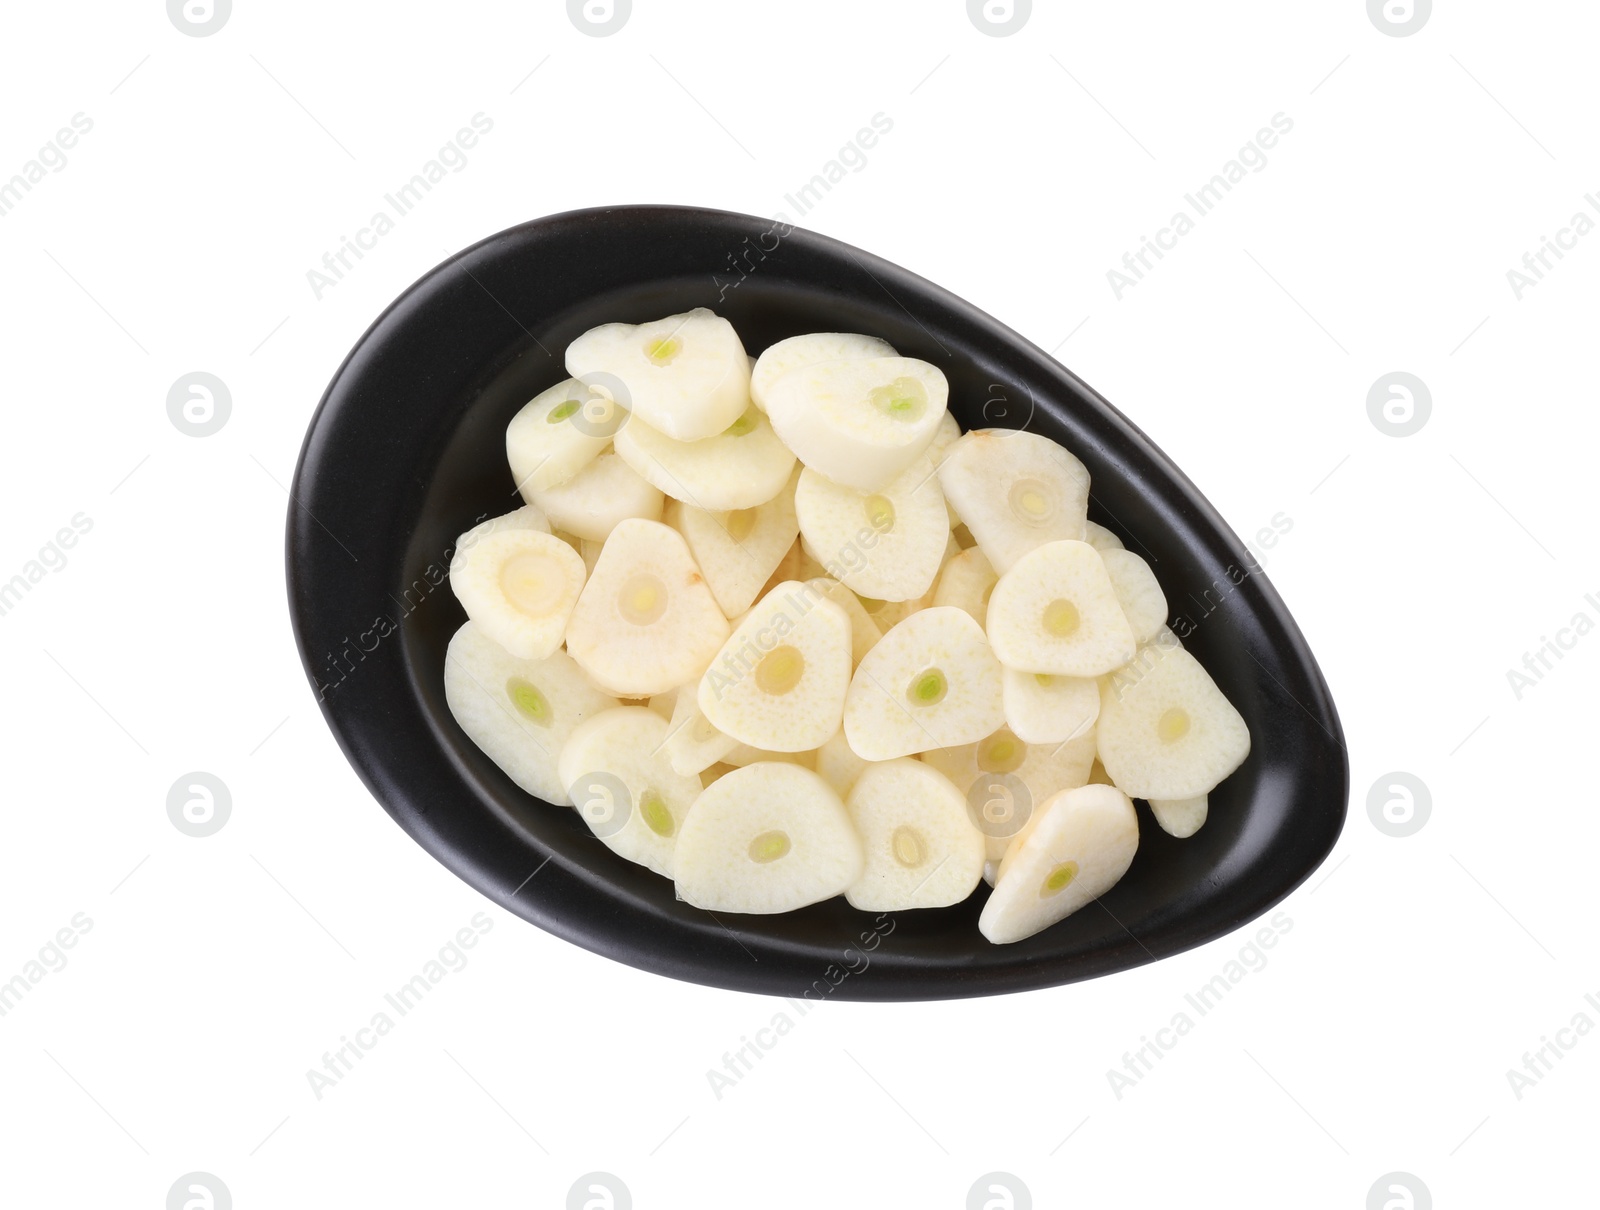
x=407 y=452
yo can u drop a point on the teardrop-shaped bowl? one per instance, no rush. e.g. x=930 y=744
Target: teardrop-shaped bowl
x=407 y=449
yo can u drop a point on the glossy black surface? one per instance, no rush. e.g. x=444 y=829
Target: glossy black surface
x=407 y=451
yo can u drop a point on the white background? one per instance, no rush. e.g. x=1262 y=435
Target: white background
x=1018 y=171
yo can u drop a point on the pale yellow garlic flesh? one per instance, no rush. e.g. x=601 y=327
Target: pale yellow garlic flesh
x=781 y=632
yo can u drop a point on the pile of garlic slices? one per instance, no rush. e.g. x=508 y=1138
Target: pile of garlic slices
x=780 y=632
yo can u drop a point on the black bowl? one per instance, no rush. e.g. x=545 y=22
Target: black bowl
x=407 y=450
